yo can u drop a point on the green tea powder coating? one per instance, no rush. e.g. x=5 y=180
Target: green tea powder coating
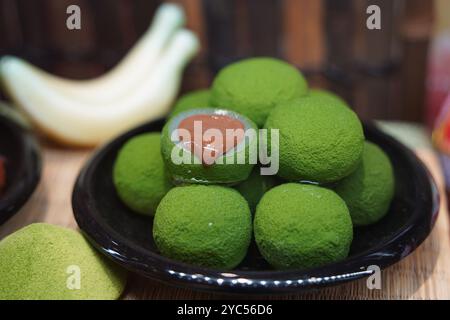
x=319 y=140
x=255 y=186
x=369 y=190
x=139 y=174
x=325 y=94
x=44 y=262
x=208 y=226
x=302 y=226
x=254 y=86
x=192 y=100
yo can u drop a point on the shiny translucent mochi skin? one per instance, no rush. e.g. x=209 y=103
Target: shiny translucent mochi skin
x=139 y=174
x=369 y=190
x=302 y=226
x=36 y=263
x=192 y=100
x=320 y=140
x=254 y=86
x=230 y=172
x=208 y=226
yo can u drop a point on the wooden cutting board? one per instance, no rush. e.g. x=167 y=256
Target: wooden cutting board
x=422 y=275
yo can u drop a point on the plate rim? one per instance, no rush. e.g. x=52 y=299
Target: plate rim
x=19 y=192
x=245 y=282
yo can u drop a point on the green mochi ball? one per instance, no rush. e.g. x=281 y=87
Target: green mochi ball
x=325 y=94
x=369 y=190
x=139 y=174
x=319 y=140
x=252 y=87
x=208 y=226
x=47 y=262
x=192 y=100
x=255 y=186
x=227 y=169
x=302 y=226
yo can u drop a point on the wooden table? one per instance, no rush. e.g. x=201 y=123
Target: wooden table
x=422 y=275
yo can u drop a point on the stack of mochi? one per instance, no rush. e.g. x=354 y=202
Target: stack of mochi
x=329 y=181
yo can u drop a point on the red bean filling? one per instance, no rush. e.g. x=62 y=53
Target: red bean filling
x=211 y=146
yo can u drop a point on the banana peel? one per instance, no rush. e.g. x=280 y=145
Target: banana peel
x=86 y=113
x=88 y=123
x=137 y=65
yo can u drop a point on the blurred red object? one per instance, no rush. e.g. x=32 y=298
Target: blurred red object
x=438 y=79
x=441 y=131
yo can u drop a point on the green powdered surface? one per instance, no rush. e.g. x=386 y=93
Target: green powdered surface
x=38 y=261
x=325 y=94
x=192 y=100
x=255 y=186
x=139 y=174
x=302 y=226
x=369 y=190
x=320 y=141
x=208 y=226
x=254 y=86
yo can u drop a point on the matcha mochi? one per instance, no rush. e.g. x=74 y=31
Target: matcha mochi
x=255 y=186
x=201 y=176
x=369 y=190
x=325 y=94
x=192 y=100
x=139 y=174
x=302 y=226
x=207 y=226
x=207 y=160
x=254 y=86
x=42 y=261
x=320 y=140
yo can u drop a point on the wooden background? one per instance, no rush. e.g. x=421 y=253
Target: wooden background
x=380 y=72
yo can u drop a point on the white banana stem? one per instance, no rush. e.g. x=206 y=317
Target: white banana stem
x=74 y=121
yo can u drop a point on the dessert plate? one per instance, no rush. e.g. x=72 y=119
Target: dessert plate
x=23 y=166
x=127 y=237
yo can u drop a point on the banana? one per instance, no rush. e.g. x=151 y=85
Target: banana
x=87 y=123
x=8 y=111
x=133 y=69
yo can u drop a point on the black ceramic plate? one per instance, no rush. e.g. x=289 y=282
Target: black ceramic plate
x=127 y=237
x=23 y=166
